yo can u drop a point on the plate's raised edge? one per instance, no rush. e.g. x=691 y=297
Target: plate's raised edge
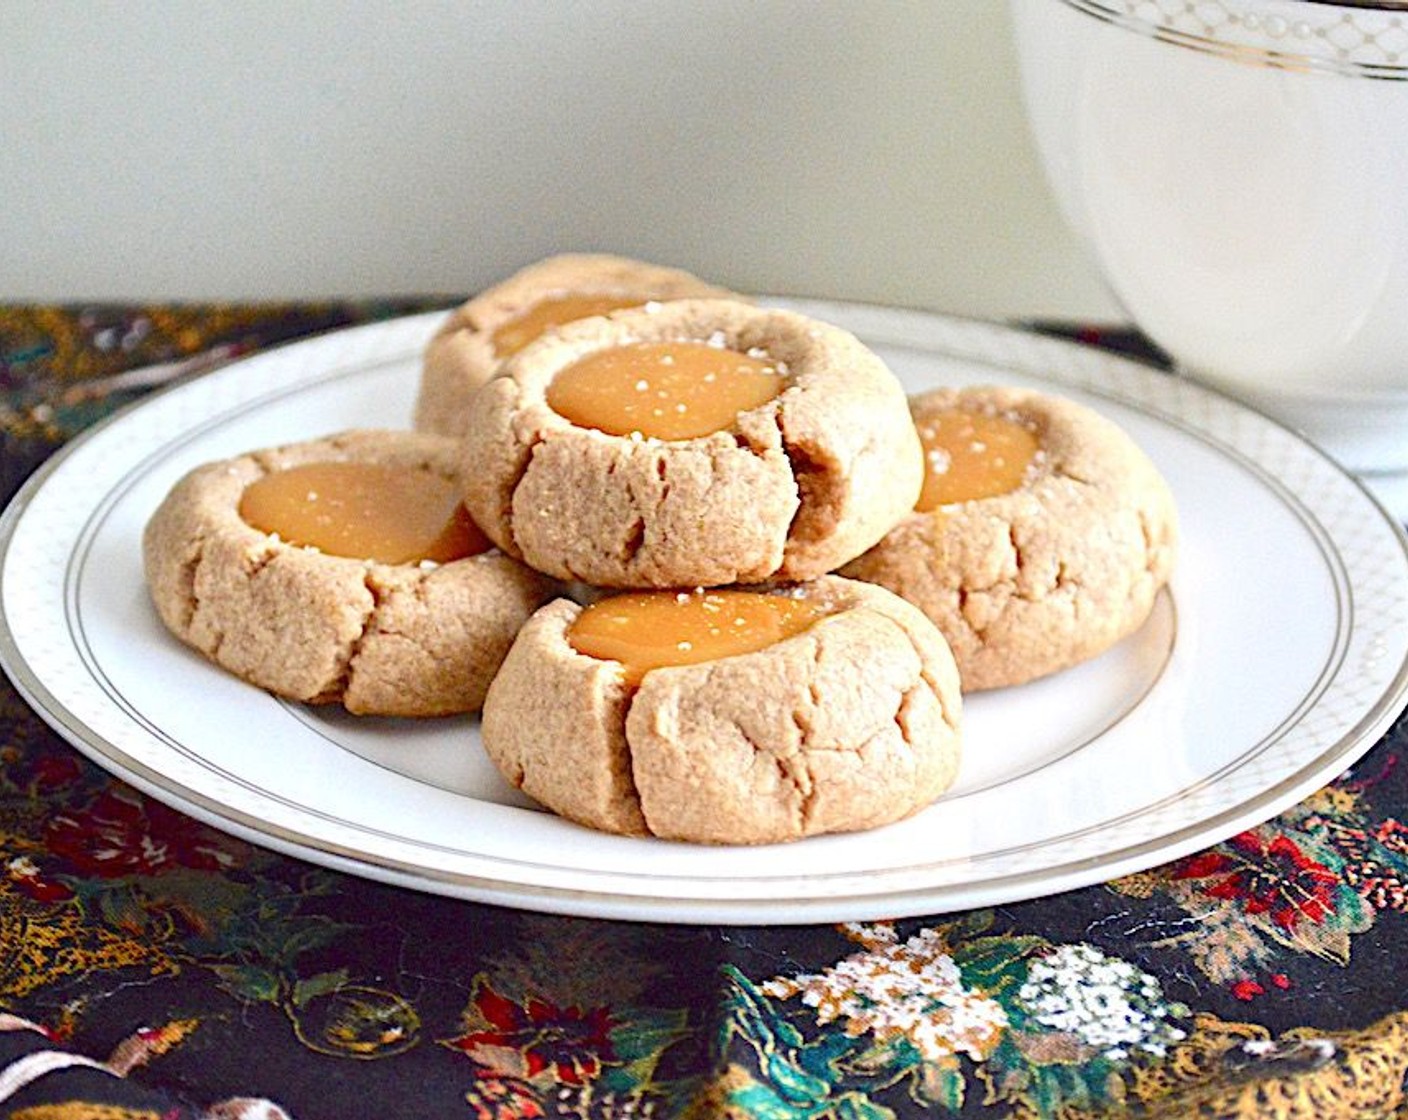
x=853 y=905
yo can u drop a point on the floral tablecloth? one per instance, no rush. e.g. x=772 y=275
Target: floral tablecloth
x=151 y=967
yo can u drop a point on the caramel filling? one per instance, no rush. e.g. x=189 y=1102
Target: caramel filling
x=654 y=629
x=971 y=455
x=518 y=332
x=663 y=390
x=365 y=511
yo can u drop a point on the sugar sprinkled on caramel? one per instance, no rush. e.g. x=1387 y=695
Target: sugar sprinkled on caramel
x=365 y=511
x=972 y=455
x=654 y=629
x=664 y=390
x=553 y=311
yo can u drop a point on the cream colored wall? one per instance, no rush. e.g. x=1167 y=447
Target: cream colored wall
x=859 y=150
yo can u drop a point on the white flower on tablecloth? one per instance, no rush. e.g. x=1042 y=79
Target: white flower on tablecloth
x=911 y=989
x=1107 y=1002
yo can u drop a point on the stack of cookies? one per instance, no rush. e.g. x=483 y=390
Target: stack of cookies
x=708 y=572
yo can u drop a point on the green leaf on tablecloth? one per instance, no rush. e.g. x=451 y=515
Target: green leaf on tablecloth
x=205 y=898
x=311 y=932
x=896 y=1060
x=759 y=1101
x=637 y=1044
x=1048 y=1090
x=943 y=1085
x=752 y=1009
x=646 y=1032
x=786 y=1070
x=1051 y=1087
x=880 y=1060
x=248 y=982
x=802 y=1074
x=122 y=908
x=272 y=928
x=997 y=966
x=311 y=987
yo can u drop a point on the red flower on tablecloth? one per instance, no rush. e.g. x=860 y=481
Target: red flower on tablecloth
x=1274 y=877
x=31 y=771
x=534 y=1036
x=503 y=1098
x=25 y=874
x=55 y=771
x=123 y=833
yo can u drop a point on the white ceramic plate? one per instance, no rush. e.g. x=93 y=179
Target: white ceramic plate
x=1277 y=657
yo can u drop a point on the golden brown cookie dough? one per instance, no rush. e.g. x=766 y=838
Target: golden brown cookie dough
x=1031 y=581
x=467 y=348
x=790 y=490
x=850 y=724
x=412 y=639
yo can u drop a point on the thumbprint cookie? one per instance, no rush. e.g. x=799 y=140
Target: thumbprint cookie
x=1041 y=537
x=501 y=320
x=340 y=570
x=729 y=716
x=692 y=443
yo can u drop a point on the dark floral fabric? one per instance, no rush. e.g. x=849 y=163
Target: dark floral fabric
x=152 y=967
